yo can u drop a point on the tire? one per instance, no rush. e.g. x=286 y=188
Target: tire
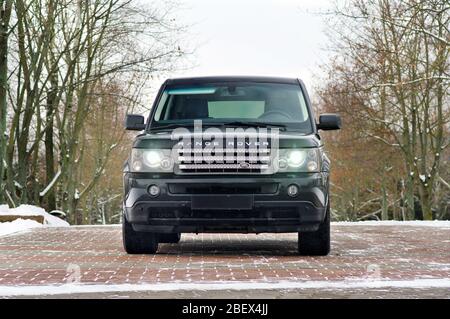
x=138 y=242
x=316 y=243
x=171 y=238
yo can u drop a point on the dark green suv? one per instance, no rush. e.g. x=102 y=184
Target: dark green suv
x=228 y=154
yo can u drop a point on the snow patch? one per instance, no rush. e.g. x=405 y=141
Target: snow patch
x=50 y=185
x=18 y=185
x=30 y=210
x=419 y=223
x=22 y=224
x=17 y=225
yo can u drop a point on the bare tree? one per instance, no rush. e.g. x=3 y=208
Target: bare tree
x=394 y=55
x=63 y=54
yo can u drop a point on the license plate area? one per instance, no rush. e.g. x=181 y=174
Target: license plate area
x=222 y=202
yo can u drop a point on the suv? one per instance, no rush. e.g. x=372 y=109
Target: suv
x=228 y=154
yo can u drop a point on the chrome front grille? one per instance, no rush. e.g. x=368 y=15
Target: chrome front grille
x=238 y=161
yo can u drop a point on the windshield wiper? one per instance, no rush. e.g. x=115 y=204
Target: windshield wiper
x=253 y=124
x=170 y=126
x=226 y=124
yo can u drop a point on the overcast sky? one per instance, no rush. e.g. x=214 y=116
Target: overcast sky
x=256 y=37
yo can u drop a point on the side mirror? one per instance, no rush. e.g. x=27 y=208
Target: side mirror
x=329 y=122
x=134 y=122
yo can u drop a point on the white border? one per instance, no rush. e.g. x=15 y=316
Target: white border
x=228 y=285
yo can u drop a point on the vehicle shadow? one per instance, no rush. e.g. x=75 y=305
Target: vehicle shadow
x=232 y=247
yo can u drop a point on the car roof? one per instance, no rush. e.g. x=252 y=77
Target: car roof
x=240 y=78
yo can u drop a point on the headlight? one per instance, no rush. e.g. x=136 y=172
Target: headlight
x=296 y=158
x=152 y=158
x=143 y=160
x=299 y=160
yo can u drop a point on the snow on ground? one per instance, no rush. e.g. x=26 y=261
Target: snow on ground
x=420 y=223
x=72 y=288
x=17 y=225
x=23 y=224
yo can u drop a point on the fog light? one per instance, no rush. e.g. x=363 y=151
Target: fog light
x=292 y=190
x=153 y=190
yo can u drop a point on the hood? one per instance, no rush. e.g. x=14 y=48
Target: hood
x=165 y=140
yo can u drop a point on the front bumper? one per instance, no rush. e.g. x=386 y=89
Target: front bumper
x=225 y=204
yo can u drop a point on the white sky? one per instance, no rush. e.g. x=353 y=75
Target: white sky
x=256 y=37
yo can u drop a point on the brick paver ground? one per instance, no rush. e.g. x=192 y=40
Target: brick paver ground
x=94 y=255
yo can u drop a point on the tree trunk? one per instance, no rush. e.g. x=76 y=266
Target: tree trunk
x=426 y=202
x=409 y=198
x=384 y=202
x=5 y=14
x=49 y=144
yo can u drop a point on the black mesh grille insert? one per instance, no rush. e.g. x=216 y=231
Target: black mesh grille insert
x=252 y=188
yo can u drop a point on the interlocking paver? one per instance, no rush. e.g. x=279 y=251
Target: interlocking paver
x=94 y=255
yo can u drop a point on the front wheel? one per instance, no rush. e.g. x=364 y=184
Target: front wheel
x=316 y=243
x=138 y=242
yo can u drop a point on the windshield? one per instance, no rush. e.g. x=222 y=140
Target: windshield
x=234 y=103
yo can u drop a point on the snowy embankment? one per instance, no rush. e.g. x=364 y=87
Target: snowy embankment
x=24 y=223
